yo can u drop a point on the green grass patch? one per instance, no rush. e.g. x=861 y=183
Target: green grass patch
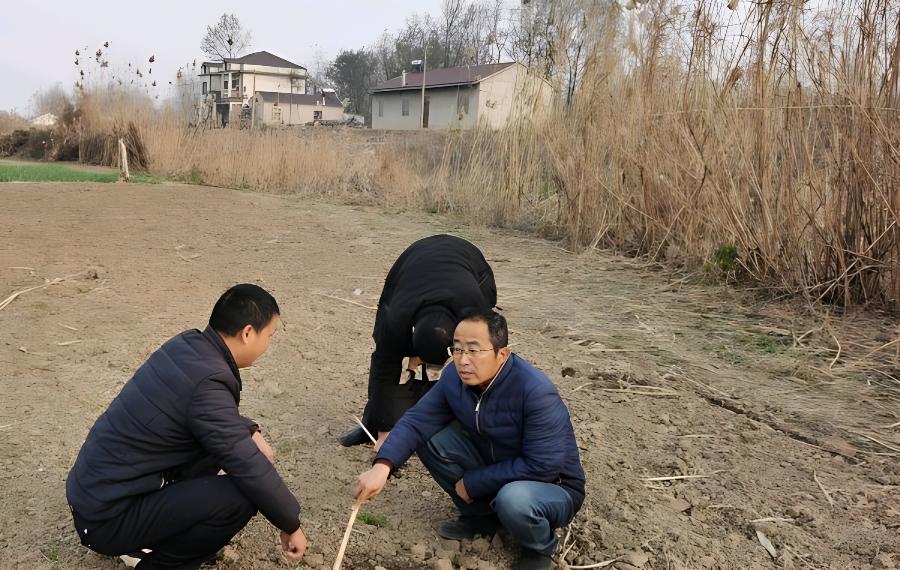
x=371 y=519
x=51 y=173
x=55 y=172
x=51 y=553
x=145 y=179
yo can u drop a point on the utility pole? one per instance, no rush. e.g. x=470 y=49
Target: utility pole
x=424 y=65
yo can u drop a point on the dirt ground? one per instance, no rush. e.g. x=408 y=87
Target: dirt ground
x=773 y=443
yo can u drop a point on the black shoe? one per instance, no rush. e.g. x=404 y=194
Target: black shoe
x=531 y=560
x=468 y=527
x=356 y=436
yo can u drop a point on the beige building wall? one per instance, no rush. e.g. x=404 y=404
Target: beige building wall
x=491 y=102
x=387 y=110
x=248 y=84
x=443 y=109
x=284 y=114
x=511 y=92
x=273 y=83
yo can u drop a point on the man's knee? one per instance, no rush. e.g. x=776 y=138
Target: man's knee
x=444 y=442
x=245 y=509
x=238 y=507
x=515 y=500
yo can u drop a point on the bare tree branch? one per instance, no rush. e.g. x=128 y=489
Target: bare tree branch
x=226 y=39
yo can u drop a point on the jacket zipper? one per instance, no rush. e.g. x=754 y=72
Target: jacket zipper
x=483 y=394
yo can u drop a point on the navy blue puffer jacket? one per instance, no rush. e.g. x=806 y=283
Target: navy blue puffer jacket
x=519 y=424
x=179 y=408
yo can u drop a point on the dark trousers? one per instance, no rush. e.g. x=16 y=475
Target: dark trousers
x=529 y=510
x=184 y=523
x=388 y=399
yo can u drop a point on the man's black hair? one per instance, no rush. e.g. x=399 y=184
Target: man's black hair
x=433 y=334
x=496 y=324
x=242 y=305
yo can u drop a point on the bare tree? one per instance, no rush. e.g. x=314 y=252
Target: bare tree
x=53 y=99
x=499 y=33
x=385 y=55
x=556 y=38
x=532 y=36
x=226 y=39
x=452 y=11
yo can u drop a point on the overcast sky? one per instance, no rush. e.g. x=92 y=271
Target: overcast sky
x=38 y=39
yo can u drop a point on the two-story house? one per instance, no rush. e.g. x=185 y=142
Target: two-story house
x=267 y=89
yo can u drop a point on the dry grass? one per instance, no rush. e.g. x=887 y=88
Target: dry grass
x=774 y=135
x=270 y=161
x=10 y=121
x=789 y=153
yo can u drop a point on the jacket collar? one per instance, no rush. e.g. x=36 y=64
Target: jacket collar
x=216 y=340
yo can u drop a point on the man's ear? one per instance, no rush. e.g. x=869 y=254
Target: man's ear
x=504 y=353
x=246 y=332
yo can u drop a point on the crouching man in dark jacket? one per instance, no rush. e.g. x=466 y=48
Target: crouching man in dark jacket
x=431 y=285
x=496 y=436
x=146 y=477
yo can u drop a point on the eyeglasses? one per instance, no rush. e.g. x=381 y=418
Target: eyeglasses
x=457 y=352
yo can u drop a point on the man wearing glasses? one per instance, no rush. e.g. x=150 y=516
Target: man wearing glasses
x=496 y=436
x=428 y=288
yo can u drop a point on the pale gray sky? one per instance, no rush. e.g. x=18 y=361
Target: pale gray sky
x=38 y=39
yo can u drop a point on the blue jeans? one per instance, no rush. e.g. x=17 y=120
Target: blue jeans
x=529 y=510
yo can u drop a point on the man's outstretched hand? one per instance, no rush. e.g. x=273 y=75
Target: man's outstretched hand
x=371 y=482
x=293 y=545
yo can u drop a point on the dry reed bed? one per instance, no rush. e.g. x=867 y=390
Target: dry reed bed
x=784 y=144
x=780 y=143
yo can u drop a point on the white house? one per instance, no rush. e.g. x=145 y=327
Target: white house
x=257 y=88
x=45 y=120
x=294 y=108
x=459 y=97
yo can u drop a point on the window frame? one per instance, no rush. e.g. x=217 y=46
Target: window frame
x=462 y=102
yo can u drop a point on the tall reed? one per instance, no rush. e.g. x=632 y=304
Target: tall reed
x=774 y=135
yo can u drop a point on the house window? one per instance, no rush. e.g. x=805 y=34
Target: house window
x=404 y=110
x=276 y=114
x=204 y=87
x=225 y=85
x=317 y=115
x=380 y=108
x=462 y=103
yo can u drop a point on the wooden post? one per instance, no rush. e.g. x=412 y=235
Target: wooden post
x=123 y=159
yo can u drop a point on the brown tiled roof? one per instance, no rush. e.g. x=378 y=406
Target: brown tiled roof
x=446 y=77
x=331 y=99
x=264 y=58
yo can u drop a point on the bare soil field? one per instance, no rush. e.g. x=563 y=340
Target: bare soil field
x=713 y=423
